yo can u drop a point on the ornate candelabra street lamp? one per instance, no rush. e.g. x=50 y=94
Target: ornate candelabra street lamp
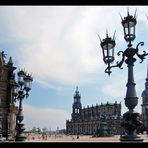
x=131 y=120
x=21 y=90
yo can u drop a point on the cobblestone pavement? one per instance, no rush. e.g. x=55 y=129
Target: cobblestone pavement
x=73 y=138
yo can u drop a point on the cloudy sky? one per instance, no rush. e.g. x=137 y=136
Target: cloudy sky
x=60 y=46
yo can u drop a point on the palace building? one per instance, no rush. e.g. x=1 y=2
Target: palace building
x=88 y=120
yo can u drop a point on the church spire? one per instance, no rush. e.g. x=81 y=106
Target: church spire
x=77 y=96
x=77 y=92
x=76 y=88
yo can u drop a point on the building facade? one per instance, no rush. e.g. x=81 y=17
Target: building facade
x=88 y=120
x=144 y=105
x=8 y=110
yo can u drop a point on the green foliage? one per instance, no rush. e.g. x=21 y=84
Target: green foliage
x=36 y=130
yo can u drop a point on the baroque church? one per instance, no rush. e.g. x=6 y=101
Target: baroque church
x=88 y=120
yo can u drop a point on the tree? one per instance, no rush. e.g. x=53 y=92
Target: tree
x=34 y=130
x=38 y=130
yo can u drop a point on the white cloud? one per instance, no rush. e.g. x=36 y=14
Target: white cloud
x=44 y=117
x=56 y=46
x=59 y=44
x=114 y=89
x=57 y=41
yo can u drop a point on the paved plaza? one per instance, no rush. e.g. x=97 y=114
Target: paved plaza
x=73 y=138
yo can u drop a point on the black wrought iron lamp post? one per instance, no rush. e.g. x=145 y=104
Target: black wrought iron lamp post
x=131 y=120
x=21 y=91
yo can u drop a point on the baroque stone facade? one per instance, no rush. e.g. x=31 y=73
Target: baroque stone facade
x=88 y=120
x=8 y=110
x=144 y=105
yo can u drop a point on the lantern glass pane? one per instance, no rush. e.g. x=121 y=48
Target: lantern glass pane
x=110 y=46
x=126 y=31
x=129 y=33
x=28 y=84
x=110 y=52
x=105 y=47
x=21 y=79
x=105 y=53
x=132 y=30
x=125 y=25
x=131 y=24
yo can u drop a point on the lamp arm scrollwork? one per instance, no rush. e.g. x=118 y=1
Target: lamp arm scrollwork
x=118 y=64
x=121 y=62
x=141 y=56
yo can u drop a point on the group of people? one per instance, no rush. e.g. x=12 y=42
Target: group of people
x=73 y=138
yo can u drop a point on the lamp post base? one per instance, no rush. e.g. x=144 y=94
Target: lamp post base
x=127 y=138
x=131 y=123
x=20 y=138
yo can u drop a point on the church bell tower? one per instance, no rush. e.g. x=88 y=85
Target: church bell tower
x=76 y=108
